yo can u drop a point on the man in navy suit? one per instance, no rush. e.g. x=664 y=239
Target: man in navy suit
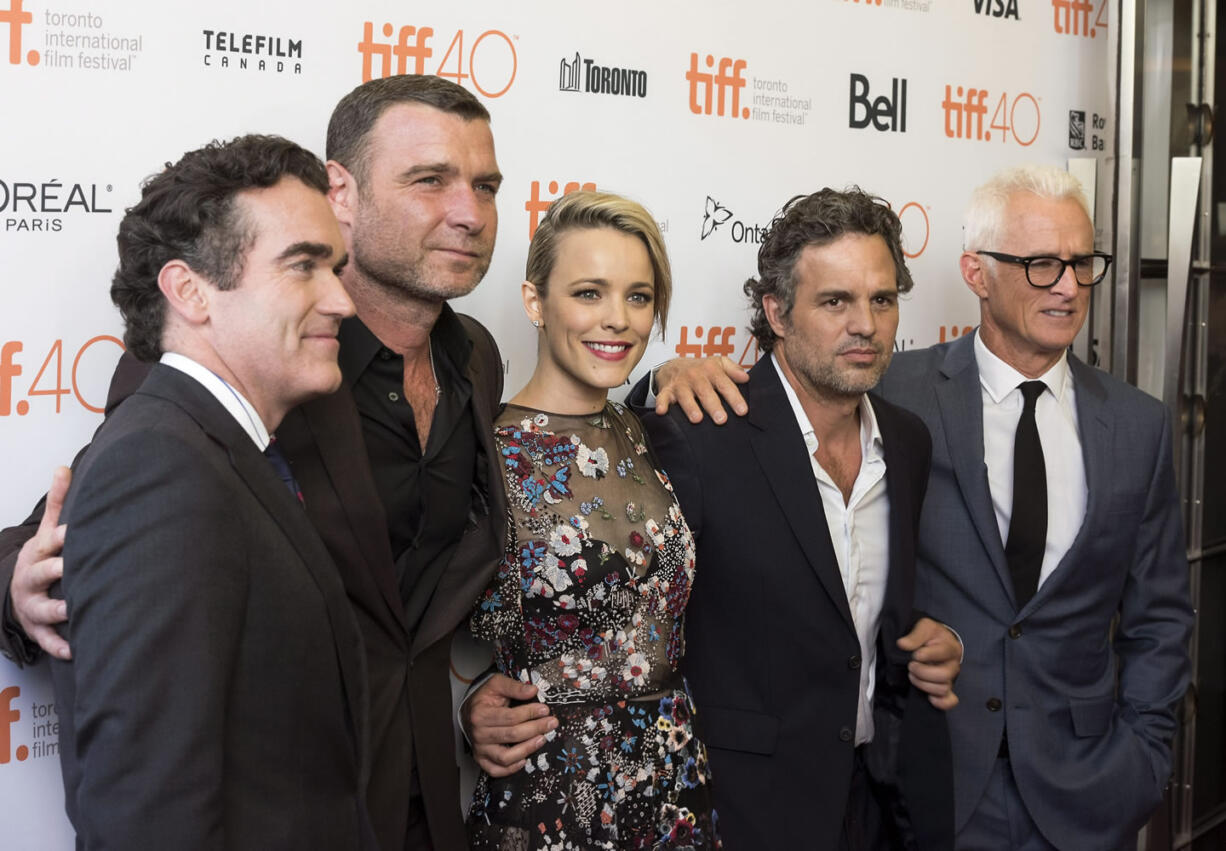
x=1072 y=672
x=1075 y=617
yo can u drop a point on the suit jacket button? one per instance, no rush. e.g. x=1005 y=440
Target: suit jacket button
x=993 y=704
x=853 y=662
x=845 y=735
x=1015 y=631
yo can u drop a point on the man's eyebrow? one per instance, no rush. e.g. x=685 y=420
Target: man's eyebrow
x=832 y=292
x=310 y=249
x=428 y=168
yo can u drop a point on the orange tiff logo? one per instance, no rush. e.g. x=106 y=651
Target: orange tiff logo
x=392 y=55
x=729 y=77
x=950 y=332
x=966 y=112
x=50 y=378
x=718 y=342
x=10 y=715
x=16 y=17
x=1072 y=17
x=911 y=224
x=536 y=205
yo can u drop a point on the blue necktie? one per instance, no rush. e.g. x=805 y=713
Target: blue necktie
x=281 y=464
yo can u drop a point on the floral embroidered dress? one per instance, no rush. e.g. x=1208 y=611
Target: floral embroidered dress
x=588 y=604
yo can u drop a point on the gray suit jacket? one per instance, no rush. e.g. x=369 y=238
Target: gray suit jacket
x=1089 y=709
x=217 y=694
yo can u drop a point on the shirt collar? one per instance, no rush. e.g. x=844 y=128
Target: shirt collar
x=870 y=435
x=1000 y=379
x=232 y=400
x=359 y=345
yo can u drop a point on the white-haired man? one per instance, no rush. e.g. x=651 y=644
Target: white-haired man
x=1051 y=512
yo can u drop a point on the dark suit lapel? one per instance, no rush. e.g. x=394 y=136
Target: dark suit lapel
x=258 y=475
x=900 y=457
x=331 y=428
x=960 y=400
x=1097 y=437
x=780 y=450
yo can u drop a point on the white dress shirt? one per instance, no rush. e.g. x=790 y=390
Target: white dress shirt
x=233 y=401
x=860 y=533
x=1055 y=415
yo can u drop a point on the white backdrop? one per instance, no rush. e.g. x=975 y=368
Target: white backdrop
x=712 y=114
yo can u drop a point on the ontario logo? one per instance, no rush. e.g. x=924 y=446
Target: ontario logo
x=715 y=215
x=585 y=75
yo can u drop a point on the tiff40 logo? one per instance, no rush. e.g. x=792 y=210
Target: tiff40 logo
x=45 y=384
x=493 y=52
x=966 y=110
x=1072 y=17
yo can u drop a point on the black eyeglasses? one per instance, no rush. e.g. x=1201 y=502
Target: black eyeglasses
x=1044 y=270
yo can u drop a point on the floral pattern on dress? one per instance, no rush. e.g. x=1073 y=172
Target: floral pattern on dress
x=588 y=604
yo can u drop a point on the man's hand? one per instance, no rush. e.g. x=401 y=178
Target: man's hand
x=936 y=655
x=38 y=567
x=504 y=736
x=698 y=385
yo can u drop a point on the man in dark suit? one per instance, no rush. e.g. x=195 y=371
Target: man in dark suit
x=801 y=625
x=1076 y=615
x=204 y=609
x=396 y=468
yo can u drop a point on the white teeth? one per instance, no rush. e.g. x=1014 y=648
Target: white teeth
x=611 y=348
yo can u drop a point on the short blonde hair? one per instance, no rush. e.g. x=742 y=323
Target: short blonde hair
x=586 y=210
x=985 y=215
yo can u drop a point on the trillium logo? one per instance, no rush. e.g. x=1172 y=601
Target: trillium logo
x=714 y=216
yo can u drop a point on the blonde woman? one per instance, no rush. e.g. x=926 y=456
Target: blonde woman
x=589 y=601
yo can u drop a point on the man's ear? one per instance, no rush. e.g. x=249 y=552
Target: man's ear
x=186 y=292
x=774 y=315
x=342 y=193
x=532 y=303
x=973 y=273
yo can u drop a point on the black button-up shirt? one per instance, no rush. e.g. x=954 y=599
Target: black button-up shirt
x=426 y=495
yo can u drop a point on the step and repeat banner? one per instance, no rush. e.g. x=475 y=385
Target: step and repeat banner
x=712 y=114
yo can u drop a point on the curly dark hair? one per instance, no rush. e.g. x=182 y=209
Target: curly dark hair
x=356 y=113
x=188 y=213
x=816 y=219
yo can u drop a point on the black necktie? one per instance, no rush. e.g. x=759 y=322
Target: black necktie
x=281 y=464
x=1028 y=523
